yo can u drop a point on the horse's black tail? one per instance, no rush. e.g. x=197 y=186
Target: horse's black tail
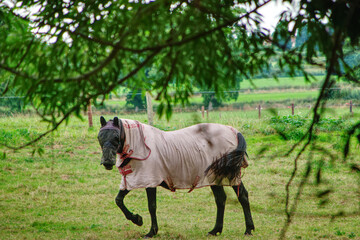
x=228 y=166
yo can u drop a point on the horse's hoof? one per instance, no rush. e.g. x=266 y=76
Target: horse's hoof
x=137 y=220
x=214 y=233
x=152 y=233
x=248 y=231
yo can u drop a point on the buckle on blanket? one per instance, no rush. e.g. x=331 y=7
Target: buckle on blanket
x=125 y=170
x=124 y=155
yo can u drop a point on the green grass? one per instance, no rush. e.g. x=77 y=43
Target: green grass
x=282 y=82
x=244 y=98
x=66 y=194
x=276 y=96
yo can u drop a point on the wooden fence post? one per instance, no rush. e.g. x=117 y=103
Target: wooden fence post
x=259 y=107
x=89 y=112
x=202 y=111
x=149 y=109
x=292 y=109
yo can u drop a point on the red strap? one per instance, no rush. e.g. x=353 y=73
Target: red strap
x=194 y=184
x=125 y=171
x=170 y=184
x=238 y=188
x=124 y=155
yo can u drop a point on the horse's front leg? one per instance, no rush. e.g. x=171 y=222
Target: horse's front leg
x=220 y=199
x=151 y=196
x=135 y=218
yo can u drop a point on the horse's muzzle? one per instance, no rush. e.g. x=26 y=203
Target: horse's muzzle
x=108 y=166
x=108 y=158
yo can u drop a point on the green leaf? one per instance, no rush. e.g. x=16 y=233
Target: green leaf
x=40 y=151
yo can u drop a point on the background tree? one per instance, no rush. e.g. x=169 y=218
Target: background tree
x=136 y=100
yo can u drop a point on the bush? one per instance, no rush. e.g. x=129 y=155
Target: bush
x=289 y=127
x=136 y=101
x=11 y=104
x=345 y=94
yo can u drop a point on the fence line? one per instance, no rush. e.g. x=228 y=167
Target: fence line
x=241 y=91
x=259 y=108
x=213 y=92
x=207 y=109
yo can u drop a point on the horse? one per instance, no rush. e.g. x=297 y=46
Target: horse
x=205 y=154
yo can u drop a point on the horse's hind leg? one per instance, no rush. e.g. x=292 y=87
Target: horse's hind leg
x=244 y=200
x=151 y=196
x=220 y=199
x=137 y=219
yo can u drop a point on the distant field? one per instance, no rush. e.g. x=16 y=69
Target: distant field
x=281 y=82
x=276 y=96
x=259 y=96
x=261 y=83
x=268 y=90
x=246 y=97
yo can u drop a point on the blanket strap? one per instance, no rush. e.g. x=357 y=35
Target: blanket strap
x=238 y=187
x=194 y=184
x=170 y=184
x=127 y=168
x=125 y=171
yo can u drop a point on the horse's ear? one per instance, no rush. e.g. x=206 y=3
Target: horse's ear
x=116 y=122
x=102 y=121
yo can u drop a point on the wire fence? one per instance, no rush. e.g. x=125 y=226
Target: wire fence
x=122 y=103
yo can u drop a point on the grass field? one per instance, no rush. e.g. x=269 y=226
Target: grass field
x=65 y=194
x=282 y=82
x=283 y=91
x=244 y=98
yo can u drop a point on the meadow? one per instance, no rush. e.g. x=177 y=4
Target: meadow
x=268 y=92
x=64 y=193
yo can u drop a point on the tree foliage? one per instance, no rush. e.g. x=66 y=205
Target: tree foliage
x=76 y=51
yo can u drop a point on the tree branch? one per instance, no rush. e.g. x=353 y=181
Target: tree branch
x=309 y=133
x=168 y=77
x=119 y=47
x=26 y=52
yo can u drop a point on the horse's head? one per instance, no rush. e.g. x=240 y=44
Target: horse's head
x=111 y=138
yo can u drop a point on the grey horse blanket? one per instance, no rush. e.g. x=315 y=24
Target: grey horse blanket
x=179 y=157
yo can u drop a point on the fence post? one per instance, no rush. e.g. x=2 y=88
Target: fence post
x=202 y=111
x=292 y=109
x=149 y=109
x=351 y=105
x=89 y=112
x=259 y=107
